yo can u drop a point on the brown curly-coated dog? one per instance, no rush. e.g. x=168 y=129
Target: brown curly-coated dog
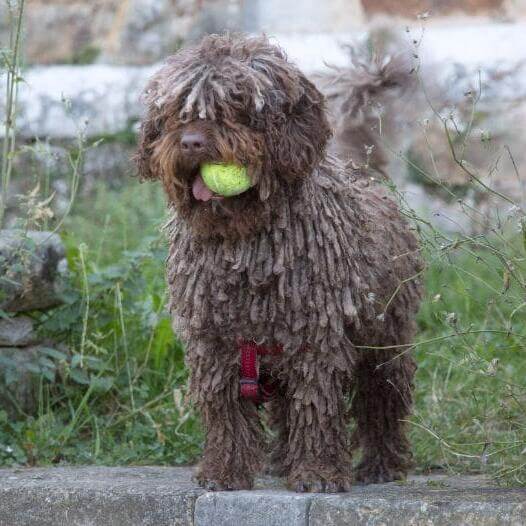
x=311 y=261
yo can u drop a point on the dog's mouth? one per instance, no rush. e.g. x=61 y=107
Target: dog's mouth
x=200 y=191
x=202 y=183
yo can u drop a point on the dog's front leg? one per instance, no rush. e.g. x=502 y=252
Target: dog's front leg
x=318 y=458
x=233 y=450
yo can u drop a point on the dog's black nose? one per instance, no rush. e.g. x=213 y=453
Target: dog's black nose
x=193 y=142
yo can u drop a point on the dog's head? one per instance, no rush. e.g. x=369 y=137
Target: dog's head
x=231 y=99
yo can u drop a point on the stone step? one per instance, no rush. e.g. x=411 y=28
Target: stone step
x=93 y=496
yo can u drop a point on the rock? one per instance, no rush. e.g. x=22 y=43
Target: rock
x=460 y=501
x=21 y=372
x=88 y=496
x=16 y=332
x=253 y=508
x=75 y=21
x=83 y=496
x=32 y=270
x=145 y=31
x=111 y=31
x=17 y=383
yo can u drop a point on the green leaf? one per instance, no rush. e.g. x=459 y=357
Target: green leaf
x=49 y=375
x=76 y=360
x=32 y=368
x=47 y=363
x=7 y=362
x=79 y=376
x=53 y=353
x=102 y=384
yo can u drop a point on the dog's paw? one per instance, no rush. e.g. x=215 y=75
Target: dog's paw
x=211 y=483
x=314 y=483
x=378 y=471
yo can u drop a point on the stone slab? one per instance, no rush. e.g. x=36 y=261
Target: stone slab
x=93 y=496
x=437 y=501
x=253 y=508
x=17 y=332
x=17 y=384
x=32 y=270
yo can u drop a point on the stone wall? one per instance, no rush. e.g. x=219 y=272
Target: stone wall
x=33 y=271
x=115 y=31
x=144 y=31
x=307 y=16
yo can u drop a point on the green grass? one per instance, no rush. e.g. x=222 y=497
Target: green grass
x=118 y=396
x=471 y=389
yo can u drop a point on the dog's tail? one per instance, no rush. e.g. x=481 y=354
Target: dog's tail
x=364 y=102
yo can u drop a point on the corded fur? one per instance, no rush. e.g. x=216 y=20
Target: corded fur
x=313 y=258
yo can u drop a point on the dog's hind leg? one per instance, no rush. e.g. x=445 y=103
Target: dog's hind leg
x=234 y=450
x=318 y=457
x=383 y=386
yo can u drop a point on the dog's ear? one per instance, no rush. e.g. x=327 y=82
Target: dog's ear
x=149 y=132
x=298 y=143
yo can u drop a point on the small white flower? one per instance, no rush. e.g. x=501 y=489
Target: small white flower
x=371 y=297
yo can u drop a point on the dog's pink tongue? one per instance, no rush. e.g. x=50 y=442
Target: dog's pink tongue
x=200 y=190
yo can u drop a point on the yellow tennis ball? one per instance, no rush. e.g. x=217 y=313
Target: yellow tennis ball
x=225 y=179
